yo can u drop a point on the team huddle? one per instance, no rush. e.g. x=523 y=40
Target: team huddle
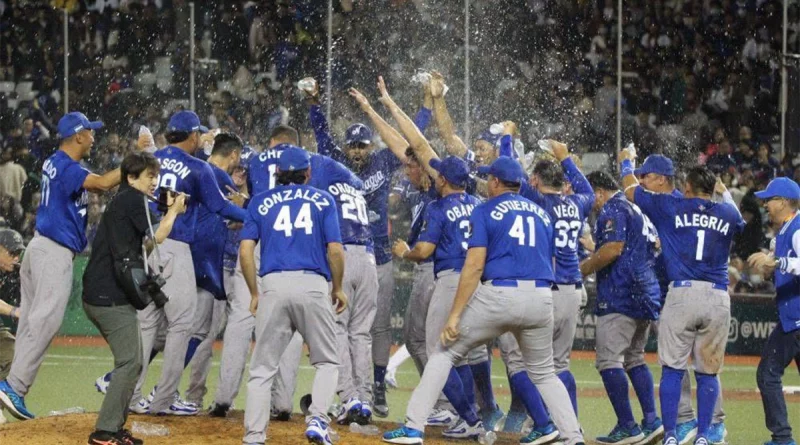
x=301 y=254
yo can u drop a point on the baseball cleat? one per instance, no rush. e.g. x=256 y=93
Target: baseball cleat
x=13 y=402
x=305 y=403
x=180 y=408
x=441 y=417
x=622 y=436
x=381 y=407
x=219 y=410
x=463 y=430
x=652 y=431
x=390 y=381
x=105 y=438
x=490 y=419
x=349 y=412
x=685 y=432
x=366 y=414
x=670 y=439
x=143 y=405
x=541 y=436
x=404 y=436
x=717 y=433
x=128 y=438
x=102 y=382
x=317 y=432
x=701 y=441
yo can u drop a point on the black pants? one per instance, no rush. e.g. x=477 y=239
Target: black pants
x=120 y=327
x=779 y=352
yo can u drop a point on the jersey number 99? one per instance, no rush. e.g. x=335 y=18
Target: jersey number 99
x=283 y=223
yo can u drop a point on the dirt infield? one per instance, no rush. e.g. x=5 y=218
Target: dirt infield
x=200 y=430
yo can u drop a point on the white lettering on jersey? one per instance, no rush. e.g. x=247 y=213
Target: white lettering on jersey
x=289 y=195
x=506 y=206
x=566 y=210
x=374 y=182
x=270 y=154
x=176 y=167
x=459 y=211
x=704 y=221
x=49 y=169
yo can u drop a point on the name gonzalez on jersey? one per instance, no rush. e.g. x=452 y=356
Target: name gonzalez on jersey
x=289 y=195
x=506 y=206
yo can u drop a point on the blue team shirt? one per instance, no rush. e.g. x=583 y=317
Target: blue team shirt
x=696 y=234
x=185 y=173
x=417 y=201
x=518 y=237
x=298 y=221
x=377 y=176
x=352 y=209
x=661 y=264
x=567 y=213
x=446 y=225
x=208 y=248
x=61 y=216
x=787 y=285
x=627 y=286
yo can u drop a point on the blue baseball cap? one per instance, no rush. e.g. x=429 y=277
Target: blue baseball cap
x=505 y=169
x=293 y=159
x=74 y=122
x=780 y=188
x=358 y=133
x=658 y=164
x=453 y=169
x=185 y=122
x=487 y=136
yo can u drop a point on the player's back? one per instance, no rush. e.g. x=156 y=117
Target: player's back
x=518 y=236
x=61 y=215
x=352 y=210
x=453 y=212
x=183 y=172
x=567 y=213
x=262 y=168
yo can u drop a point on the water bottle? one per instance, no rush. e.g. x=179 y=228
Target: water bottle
x=497 y=128
x=307 y=85
x=149 y=429
x=73 y=410
x=208 y=143
x=367 y=430
x=421 y=77
x=487 y=438
x=544 y=144
x=144 y=131
x=333 y=435
x=631 y=148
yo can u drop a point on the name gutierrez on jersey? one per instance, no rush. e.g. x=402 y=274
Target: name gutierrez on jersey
x=704 y=221
x=459 y=211
x=289 y=195
x=506 y=206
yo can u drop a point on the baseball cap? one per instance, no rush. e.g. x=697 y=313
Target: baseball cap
x=505 y=169
x=453 y=168
x=358 y=133
x=658 y=164
x=74 y=122
x=293 y=159
x=11 y=240
x=486 y=135
x=186 y=122
x=780 y=188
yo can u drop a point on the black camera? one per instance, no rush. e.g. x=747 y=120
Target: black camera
x=164 y=195
x=152 y=286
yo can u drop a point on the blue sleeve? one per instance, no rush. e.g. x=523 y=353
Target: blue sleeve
x=387 y=160
x=325 y=144
x=250 y=229
x=422 y=119
x=529 y=192
x=337 y=172
x=331 y=222
x=580 y=185
x=479 y=235
x=507 y=146
x=656 y=206
x=432 y=225
x=612 y=225
x=74 y=176
x=211 y=196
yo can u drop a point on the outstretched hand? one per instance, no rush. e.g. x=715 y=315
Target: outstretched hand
x=362 y=100
x=384 y=98
x=437 y=84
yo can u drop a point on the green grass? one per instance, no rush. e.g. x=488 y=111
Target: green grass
x=67 y=379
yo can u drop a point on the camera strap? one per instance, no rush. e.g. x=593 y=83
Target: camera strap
x=153 y=236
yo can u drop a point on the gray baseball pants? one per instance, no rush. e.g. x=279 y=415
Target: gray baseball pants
x=289 y=302
x=620 y=341
x=178 y=270
x=360 y=283
x=45 y=282
x=416 y=313
x=201 y=362
x=382 y=326
x=525 y=310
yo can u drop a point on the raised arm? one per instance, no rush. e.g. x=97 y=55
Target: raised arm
x=325 y=144
x=580 y=185
x=629 y=181
x=424 y=115
x=393 y=139
x=102 y=183
x=454 y=145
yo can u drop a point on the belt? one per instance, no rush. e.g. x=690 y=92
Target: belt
x=368 y=248
x=436 y=274
x=515 y=283
x=686 y=283
x=578 y=285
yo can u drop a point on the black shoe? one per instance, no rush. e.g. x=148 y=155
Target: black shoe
x=128 y=438
x=281 y=416
x=381 y=408
x=220 y=410
x=106 y=438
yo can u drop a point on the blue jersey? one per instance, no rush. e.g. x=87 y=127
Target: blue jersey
x=627 y=286
x=661 y=264
x=62 y=209
x=446 y=225
x=787 y=284
x=567 y=213
x=518 y=237
x=183 y=172
x=352 y=209
x=696 y=234
x=208 y=248
x=324 y=171
x=295 y=224
x=377 y=176
x=417 y=201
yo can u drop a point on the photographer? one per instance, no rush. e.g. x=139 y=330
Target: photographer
x=11 y=247
x=122 y=230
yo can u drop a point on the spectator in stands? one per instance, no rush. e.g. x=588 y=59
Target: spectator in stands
x=722 y=160
x=12 y=175
x=766 y=166
x=36 y=134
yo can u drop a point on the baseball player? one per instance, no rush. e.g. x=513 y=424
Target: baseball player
x=46 y=273
x=180 y=171
x=298 y=228
x=657 y=175
x=628 y=300
x=695 y=235
x=375 y=168
x=781 y=198
x=510 y=251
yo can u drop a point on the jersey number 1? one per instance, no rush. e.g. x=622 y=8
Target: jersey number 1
x=701 y=242
x=518 y=230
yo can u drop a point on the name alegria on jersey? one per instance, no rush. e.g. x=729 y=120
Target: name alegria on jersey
x=703 y=221
x=459 y=211
x=176 y=167
x=566 y=210
x=289 y=195
x=374 y=182
x=501 y=208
